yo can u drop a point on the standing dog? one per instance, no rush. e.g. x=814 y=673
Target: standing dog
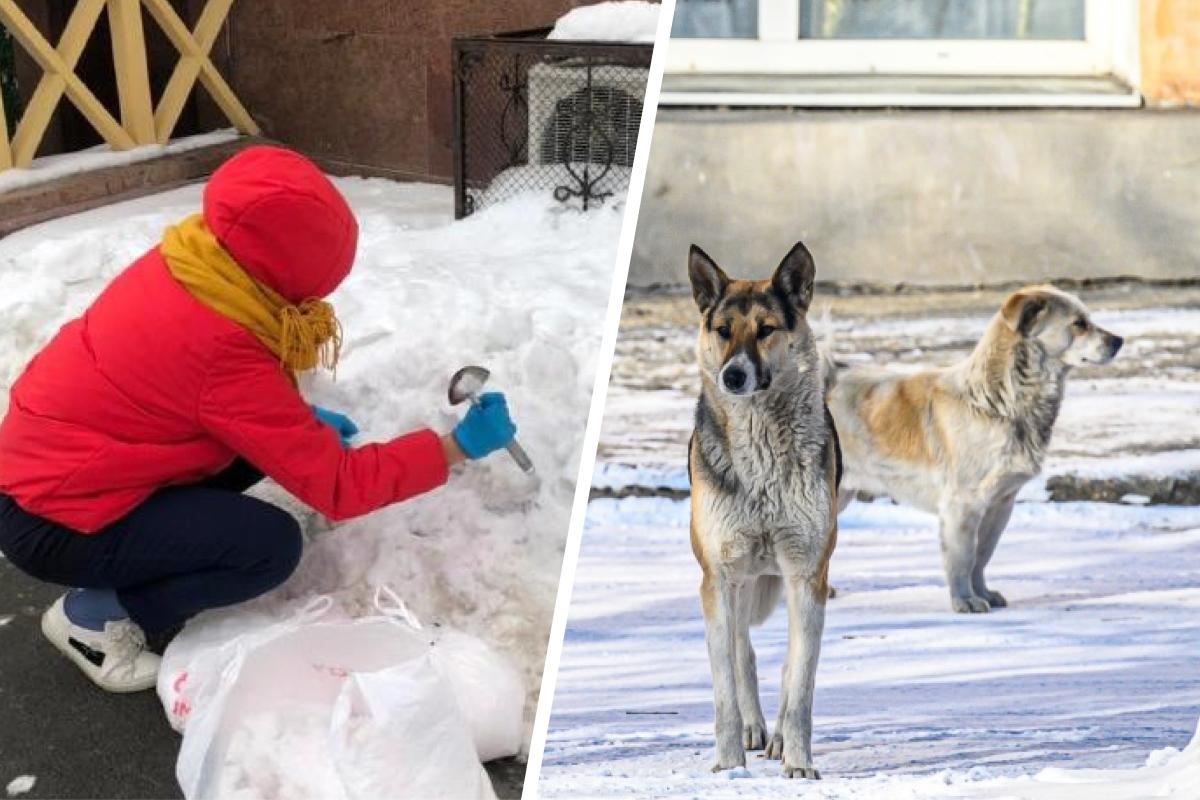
x=960 y=442
x=764 y=467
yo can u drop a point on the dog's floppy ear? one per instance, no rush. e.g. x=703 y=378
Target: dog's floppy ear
x=1023 y=311
x=793 y=278
x=708 y=281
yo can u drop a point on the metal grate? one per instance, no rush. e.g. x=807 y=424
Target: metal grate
x=553 y=117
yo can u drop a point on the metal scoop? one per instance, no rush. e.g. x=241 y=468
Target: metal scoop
x=466 y=385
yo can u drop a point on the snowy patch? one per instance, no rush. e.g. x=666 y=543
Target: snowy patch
x=5 y=619
x=1093 y=665
x=520 y=288
x=539 y=179
x=102 y=156
x=620 y=21
x=21 y=785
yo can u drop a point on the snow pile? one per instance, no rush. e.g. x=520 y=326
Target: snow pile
x=619 y=21
x=520 y=288
x=102 y=156
x=20 y=785
x=1093 y=666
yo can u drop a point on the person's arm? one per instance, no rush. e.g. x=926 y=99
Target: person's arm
x=249 y=404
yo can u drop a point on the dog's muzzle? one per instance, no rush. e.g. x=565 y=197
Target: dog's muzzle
x=739 y=377
x=1114 y=343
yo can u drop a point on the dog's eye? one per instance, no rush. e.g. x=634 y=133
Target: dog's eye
x=723 y=331
x=764 y=331
x=1080 y=324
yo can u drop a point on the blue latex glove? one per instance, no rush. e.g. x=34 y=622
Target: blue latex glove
x=342 y=425
x=486 y=427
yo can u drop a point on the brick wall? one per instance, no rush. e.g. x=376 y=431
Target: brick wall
x=362 y=84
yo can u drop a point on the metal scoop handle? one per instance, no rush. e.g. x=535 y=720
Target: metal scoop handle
x=518 y=455
x=513 y=447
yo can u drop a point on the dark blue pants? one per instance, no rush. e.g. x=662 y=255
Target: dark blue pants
x=184 y=550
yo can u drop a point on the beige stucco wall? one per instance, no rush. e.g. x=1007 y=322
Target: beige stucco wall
x=1170 y=51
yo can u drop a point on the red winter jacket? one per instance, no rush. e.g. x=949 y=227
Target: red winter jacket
x=149 y=388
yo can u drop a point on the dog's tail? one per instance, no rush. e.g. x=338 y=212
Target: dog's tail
x=767 y=590
x=829 y=365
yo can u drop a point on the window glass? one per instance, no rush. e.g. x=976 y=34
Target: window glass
x=715 y=19
x=941 y=19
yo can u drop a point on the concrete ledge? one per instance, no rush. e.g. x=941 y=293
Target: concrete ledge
x=86 y=190
x=924 y=197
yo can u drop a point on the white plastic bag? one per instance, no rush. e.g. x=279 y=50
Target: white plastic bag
x=391 y=732
x=337 y=708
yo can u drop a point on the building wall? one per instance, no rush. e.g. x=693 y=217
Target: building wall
x=924 y=197
x=363 y=84
x=1170 y=51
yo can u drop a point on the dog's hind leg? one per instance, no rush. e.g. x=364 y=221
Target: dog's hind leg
x=806 y=597
x=718 y=596
x=756 y=599
x=994 y=523
x=959 y=530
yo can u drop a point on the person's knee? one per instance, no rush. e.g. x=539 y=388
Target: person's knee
x=280 y=543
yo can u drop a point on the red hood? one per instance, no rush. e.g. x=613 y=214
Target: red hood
x=282 y=221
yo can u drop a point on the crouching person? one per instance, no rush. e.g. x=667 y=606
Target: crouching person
x=131 y=436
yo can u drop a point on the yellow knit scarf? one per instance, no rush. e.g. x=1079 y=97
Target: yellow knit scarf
x=301 y=336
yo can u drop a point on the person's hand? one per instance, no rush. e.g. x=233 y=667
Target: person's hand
x=342 y=425
x=486 y=427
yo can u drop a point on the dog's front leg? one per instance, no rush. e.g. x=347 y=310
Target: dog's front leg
x=994 y=523
x=754 y=727
x=806 y=597
x=958 y=532
x=718 y=597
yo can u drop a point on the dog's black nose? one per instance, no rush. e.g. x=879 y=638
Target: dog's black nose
x=734 y=378
x=1114 y=344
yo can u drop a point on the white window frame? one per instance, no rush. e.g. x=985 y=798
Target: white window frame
x=779 y=50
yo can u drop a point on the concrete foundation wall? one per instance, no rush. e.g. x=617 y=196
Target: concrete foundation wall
x=925 y=197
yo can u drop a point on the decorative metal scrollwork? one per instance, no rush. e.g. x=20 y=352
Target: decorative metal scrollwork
x=556 y=117
x=515 y=88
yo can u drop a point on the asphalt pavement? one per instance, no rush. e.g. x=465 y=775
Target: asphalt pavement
x=78 y=741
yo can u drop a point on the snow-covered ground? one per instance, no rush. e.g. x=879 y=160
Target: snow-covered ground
x=48 y=168
x=521 y=288
x=1096 y=663
x=1094 y=666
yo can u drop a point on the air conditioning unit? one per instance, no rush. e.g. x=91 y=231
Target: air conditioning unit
x=581 y=112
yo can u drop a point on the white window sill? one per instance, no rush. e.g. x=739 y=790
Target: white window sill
x=895 y=91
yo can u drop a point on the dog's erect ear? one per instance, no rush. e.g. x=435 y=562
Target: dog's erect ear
x=1023 y=312
x=708 y=281
x=793 y=278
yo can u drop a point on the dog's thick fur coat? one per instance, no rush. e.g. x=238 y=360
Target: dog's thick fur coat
x=764 y=466
x=960 y=442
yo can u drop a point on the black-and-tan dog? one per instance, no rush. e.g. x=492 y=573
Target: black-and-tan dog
x=764 y=466
x=961 y=441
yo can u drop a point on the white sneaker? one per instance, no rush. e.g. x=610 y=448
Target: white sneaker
x=116 y=659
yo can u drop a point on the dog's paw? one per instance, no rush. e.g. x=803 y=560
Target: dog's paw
x=721 y=767
x=995 y=599
x=970 y=605
x=807 y=773
x=754 y=736
x=774 y=748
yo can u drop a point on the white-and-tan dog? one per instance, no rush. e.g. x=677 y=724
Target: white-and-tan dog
x=960 y=442
x=764 y=468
